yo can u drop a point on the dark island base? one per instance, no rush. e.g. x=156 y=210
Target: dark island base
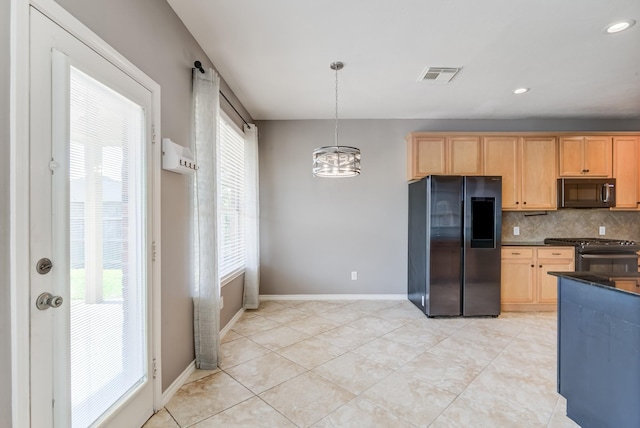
x=598 y=352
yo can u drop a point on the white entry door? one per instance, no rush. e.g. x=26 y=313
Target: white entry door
x=90 y=250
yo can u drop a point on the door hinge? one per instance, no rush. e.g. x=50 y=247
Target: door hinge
x=53 y=165
x=155 y=368
x=153 y=134
x=153 y=251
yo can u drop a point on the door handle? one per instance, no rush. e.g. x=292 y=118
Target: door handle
x=607 y=192
x=48 y=300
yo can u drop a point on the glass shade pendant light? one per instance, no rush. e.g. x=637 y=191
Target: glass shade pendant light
x=336 y=161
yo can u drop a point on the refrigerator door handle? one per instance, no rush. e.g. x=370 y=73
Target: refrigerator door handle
x=462 y=223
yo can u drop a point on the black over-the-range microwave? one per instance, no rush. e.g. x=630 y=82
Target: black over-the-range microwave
x=586 y=192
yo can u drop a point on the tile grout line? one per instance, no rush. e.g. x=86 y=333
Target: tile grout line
x=174 y=419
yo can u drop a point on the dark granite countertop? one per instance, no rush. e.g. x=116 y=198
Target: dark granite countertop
x=524 y=244
x=625 y=282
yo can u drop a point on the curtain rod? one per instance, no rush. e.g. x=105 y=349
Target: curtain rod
x=198 y=65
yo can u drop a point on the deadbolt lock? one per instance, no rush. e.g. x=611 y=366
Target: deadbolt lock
x=43 y=266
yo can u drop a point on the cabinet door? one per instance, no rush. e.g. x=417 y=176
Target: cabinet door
x=597 y=156
x=571 y=157
x=625 y=171
x=465 y=156
x=538 y=159
x=427 y=155
x=501 y=158
x=547 y=284
x=517 y=281
x=585 y=156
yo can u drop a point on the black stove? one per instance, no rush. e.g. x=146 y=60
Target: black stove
x=601 y=255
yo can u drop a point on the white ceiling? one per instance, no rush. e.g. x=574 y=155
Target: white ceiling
x=275 y=56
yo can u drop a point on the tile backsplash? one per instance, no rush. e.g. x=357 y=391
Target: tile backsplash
x=570 y=223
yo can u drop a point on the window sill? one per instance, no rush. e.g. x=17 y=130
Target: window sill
x=227 y=279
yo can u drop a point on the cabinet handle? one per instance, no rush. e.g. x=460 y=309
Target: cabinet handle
x=532 y=266
x=524 y=203
x=516 y=254
x=556 y=254
x=540 y=266
x=519 y=202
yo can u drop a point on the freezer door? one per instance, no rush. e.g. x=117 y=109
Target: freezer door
x=417 y=257
x=445 y=247
x=482 y=240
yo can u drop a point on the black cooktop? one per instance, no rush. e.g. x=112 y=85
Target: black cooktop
x=584 y=242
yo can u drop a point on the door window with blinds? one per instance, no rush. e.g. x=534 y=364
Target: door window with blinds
x=231 y=199
x=107 y=267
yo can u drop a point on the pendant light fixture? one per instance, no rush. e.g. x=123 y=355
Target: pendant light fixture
x=336 y=161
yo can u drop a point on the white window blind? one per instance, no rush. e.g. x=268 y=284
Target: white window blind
x=107 y=277
x=231 y=199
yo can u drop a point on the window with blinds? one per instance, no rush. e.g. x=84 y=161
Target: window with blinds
x=107 y=222
x=231 y=199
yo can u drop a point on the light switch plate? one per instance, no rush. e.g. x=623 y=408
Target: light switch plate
x=516 y=231
x=601 y=230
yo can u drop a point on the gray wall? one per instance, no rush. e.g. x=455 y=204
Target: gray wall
x=5 y=312
x=151 y=36
x=314 y=231
x=232 y=293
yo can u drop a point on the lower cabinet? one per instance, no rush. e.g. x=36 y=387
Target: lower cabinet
x=525 y=283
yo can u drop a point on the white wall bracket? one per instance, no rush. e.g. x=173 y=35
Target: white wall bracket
x=176 y=158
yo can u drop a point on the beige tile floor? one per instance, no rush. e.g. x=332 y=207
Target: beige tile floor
x=375 y=364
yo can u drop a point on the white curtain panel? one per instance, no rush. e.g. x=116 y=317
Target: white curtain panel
x=206 y=313
x=252 y=231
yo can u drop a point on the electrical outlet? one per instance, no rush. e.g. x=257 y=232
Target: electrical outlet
x=221 y=302
x=354 y=275
x=601 y=231
x=516 y=231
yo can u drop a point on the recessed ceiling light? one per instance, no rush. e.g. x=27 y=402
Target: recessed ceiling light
x=520 y=91
x=616 y=27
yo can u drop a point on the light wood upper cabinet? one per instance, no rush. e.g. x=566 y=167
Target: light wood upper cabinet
x=502 y=157
x=442 y=155
x=626 y=172
x=585 y=156
x=465 y=156
x=538 y=173
x=426 y=156
x=528 y=169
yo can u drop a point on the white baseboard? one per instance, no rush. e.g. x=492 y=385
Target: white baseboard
x=177 y=384
x=231 y=323
x=333 y=297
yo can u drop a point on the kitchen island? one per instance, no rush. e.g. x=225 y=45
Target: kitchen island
x=599 y=347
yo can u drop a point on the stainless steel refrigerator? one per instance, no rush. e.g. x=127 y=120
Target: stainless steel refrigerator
x=454 y=245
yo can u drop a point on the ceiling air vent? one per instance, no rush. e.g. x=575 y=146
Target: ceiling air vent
x=438 y=74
